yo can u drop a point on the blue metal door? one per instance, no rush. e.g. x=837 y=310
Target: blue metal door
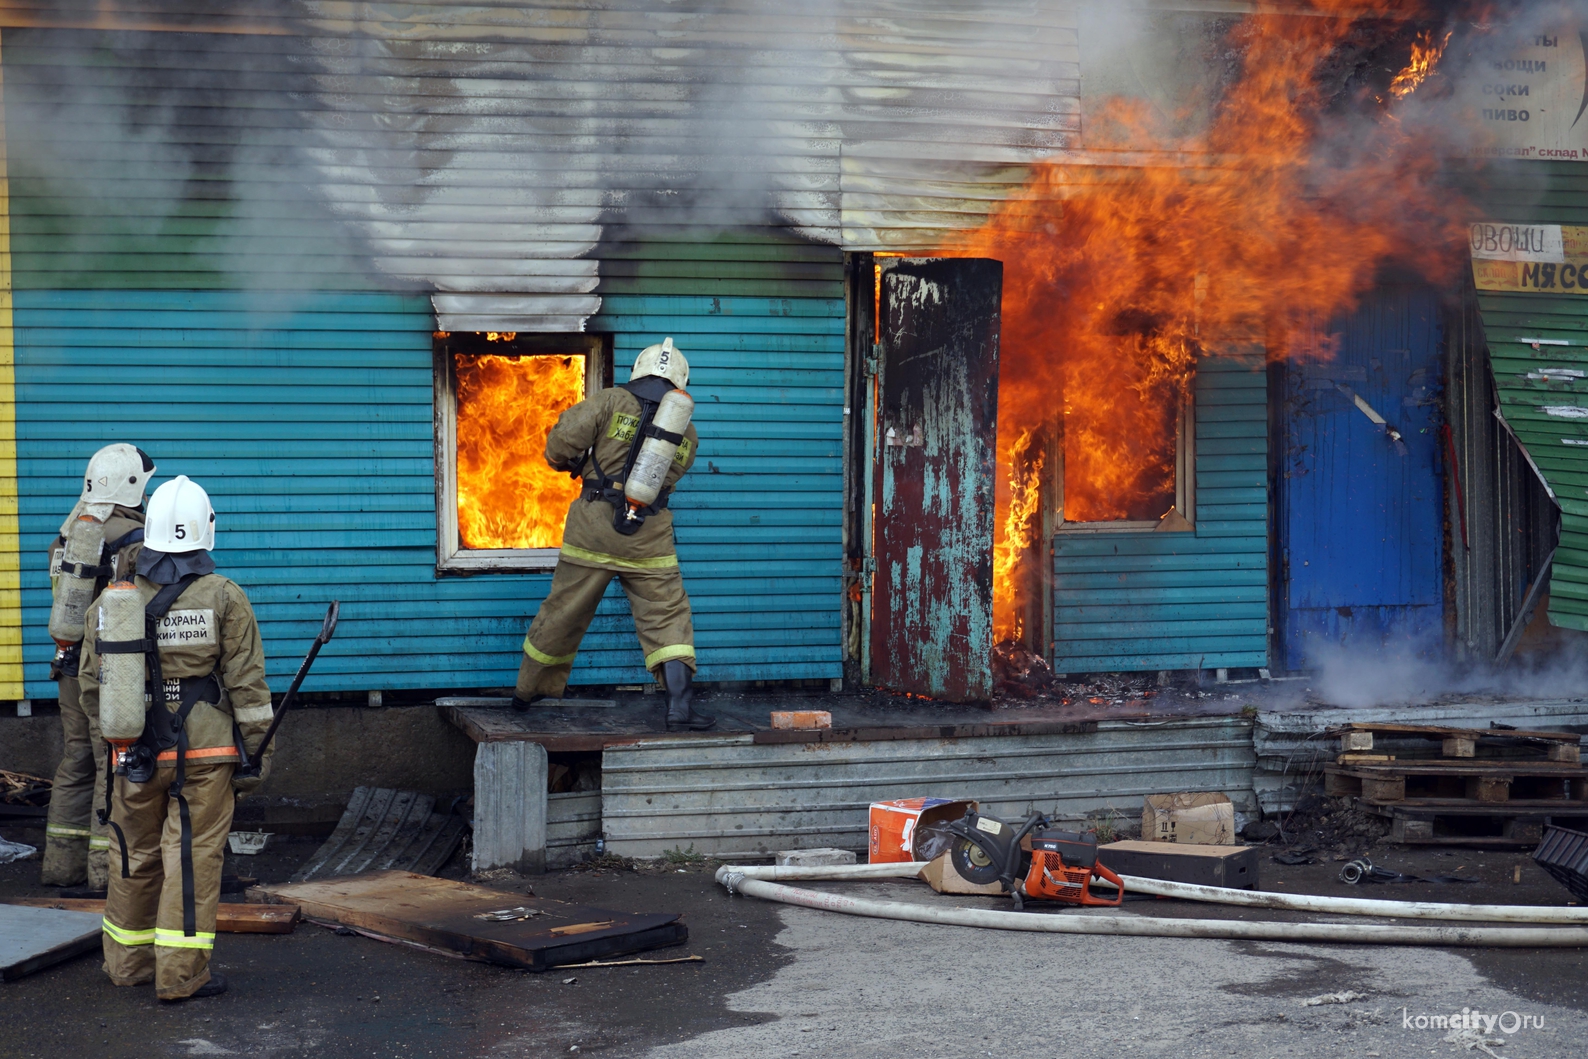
x=1361 y=519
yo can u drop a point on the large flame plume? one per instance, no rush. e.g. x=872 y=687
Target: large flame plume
x=507 y=496
x=1116 y=278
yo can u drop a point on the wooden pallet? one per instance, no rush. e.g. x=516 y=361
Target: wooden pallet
x=1483 y=781
x=1357 y=740
x=1454 y=821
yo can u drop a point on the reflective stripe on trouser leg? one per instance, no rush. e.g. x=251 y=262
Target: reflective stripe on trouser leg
x=182 y=963
x=661 y=616
x=559 y=626
x=175 y=939
x=65 y=860
x=126 y=936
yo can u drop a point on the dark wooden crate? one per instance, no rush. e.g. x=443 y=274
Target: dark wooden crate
x=1231 y=866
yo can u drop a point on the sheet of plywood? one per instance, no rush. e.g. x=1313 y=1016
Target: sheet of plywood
x=229 y=919
x=444 y=914
x=34 y=938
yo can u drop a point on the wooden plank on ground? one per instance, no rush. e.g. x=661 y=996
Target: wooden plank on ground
x=445 y=914
x=229 y=918
x=32 y=939
x=1435 y=731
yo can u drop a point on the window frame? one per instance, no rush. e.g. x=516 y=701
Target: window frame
x=451 y=557
x=1185 y=480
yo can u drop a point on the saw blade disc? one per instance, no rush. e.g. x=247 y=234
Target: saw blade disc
x=973 y=863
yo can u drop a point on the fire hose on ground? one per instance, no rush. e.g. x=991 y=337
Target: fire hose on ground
x=1569 y=929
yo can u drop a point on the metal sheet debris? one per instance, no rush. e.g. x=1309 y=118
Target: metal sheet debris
x=385 y=829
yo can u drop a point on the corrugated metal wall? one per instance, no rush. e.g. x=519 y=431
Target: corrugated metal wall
x=308 y=416
x=1142 y=600
x=734 y=796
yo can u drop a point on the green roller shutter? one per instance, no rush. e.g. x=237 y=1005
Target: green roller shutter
x=1538 y=349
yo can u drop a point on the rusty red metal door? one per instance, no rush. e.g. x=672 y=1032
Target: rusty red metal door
x=936 y=454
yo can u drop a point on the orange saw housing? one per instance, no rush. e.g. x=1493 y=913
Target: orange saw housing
x=1063 y=866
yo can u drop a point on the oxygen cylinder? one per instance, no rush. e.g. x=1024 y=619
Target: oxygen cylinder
x=121 y=676
x=85 y=544
x=655 y=457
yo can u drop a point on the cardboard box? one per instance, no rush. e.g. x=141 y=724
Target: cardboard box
x=1231 y=866
x=1208 y=819
x=893 y=825
x=940 y=875
x=802 y=719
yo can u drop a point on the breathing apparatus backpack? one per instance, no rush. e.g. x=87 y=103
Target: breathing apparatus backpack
x=665 y=412
x=81 y=566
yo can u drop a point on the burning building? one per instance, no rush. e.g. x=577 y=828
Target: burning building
x=1128 y=344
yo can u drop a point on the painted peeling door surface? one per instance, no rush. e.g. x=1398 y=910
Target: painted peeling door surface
x=1362 y=532
x=937 y=417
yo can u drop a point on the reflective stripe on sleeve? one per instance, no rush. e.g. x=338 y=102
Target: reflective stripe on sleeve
x=545 y=659
x=99 y=842
x=252 y=714
x=661 y=562
x=668 y=653
x=123 y=936
x=175 y=939
x=62 y=831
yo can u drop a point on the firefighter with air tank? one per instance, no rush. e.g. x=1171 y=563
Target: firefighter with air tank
x=188 y=636
x=98 y=544
x=630 y=444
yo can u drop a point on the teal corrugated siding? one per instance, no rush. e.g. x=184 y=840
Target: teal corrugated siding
x=759 y=519
x=1141 y=600
x=309 y=419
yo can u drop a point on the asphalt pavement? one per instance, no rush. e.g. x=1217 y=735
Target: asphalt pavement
x=790 y=981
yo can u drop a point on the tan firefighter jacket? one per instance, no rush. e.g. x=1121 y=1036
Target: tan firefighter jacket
x=209 y=629
x=607 y=421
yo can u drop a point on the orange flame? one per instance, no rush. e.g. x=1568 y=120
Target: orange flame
x=1019 y=524
x=1425 y=56
x=507 y=496
x=1279 y=214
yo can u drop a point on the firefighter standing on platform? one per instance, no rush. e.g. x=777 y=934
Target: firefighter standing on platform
x=174 y=791
x=98 y=544
x=612 y=440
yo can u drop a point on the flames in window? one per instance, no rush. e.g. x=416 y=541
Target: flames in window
x=507 y=496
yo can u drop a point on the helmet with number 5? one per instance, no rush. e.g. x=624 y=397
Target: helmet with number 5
x=180 y=518
x=117 y=474
x=662 y=359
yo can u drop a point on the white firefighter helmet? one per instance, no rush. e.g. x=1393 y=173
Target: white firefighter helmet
x=117 y=474
x=662 y=359
x=180 y=518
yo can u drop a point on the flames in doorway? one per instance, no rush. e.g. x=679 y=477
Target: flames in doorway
x=1282 y=210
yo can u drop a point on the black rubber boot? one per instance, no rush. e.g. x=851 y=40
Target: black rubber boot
x=523 y=705
x=678 y=679
x=214 y=987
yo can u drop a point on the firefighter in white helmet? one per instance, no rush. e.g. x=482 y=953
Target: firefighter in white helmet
x=102 y=534
x=174 y=789
x=630 y=444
